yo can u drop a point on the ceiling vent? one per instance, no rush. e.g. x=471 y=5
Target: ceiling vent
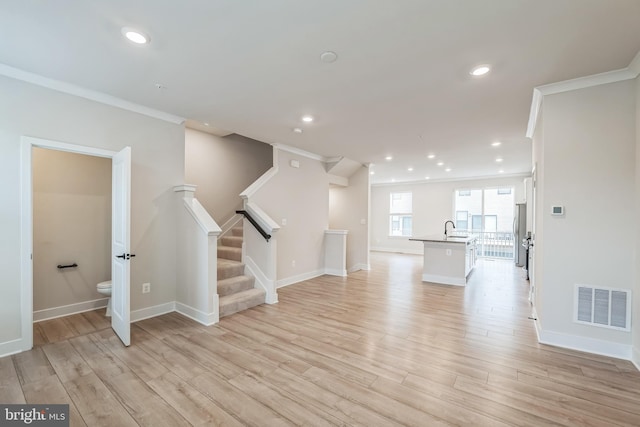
x=606 y=307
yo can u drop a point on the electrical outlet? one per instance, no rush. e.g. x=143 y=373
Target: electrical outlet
x=448 y=252
x=293 y=263
x=146 y=288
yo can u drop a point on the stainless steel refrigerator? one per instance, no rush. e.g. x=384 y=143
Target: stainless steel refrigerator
x=520 y=233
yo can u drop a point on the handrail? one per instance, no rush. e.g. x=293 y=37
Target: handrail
x=246 y=214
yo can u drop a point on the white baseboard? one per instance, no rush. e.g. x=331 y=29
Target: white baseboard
x=635 y=358
x=444 y=280
x=335 y=272
x=358 y=267
x=68 y=310
x=11 y=347
x=197 y=315
x=298 y=278
x=156 y=310
x=398 y=250
x=261 y=279
x=589 y=345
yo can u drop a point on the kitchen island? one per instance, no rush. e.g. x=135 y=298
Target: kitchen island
x=448 y=260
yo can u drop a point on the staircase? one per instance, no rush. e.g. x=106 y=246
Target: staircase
x=236 y=290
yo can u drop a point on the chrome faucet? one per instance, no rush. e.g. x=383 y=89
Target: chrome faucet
x=445 y=227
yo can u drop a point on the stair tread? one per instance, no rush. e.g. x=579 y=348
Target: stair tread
x=228 y=268
x=224 y=262
x=234 y=279
x=230 y=252
x=249 y=293
x=233 y=238
x=235 y=284
x=233 y=241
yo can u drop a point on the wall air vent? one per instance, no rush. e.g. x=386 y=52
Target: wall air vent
x=606 y=307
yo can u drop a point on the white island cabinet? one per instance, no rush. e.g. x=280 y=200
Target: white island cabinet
x=448 y=260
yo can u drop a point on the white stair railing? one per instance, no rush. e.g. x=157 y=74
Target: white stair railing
x=197 y=287
x=259 y=249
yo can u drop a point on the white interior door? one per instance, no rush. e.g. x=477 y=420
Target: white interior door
x=532 y=246
x=120 y=244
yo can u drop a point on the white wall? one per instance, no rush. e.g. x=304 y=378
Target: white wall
x=301 y=197
x=588 y=166
x=433 y=204
x=347 y=207
x=635 y=326
x=71 y=223
x=537 y=250
x=157 y=165
x=222 y=168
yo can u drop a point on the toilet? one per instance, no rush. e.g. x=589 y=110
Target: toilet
x=105 y=289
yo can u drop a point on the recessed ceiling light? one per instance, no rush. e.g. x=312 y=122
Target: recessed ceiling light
x=496 y=144
x=372 y=173
x=440 y=163
x=426 y=177
x=328 y=57
x=431 y=156
x=393 y=180
x=499 y=159
x=500 y=171
x=296 y=130
x=480 y=70
x=410 y=169
x=206 y=124
x=447 y=170
x=307 y=119
x=135 y=36
x=388 y=158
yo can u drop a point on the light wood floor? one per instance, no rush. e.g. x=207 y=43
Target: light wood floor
x=378 y=348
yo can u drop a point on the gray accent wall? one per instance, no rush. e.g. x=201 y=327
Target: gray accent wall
x=222 y=167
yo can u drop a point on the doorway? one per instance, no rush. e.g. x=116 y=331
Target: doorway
x=120 y=218
x=71 y=232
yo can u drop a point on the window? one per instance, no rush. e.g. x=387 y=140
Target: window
x=462 y=220
x=476 y=223
x=400 y=214
x=489 y=215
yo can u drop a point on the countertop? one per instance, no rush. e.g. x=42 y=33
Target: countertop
x=442 y=239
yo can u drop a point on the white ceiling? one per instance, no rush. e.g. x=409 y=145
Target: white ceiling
x=400 y=87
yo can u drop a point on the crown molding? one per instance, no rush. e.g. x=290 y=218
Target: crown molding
x=36 y=79
x=629 y=73
x=438 y=181
x=300 y=152
x=588 y=81
x=536 y=103
x=634 y=66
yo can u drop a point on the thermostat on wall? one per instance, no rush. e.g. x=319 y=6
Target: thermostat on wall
x=557 y=210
